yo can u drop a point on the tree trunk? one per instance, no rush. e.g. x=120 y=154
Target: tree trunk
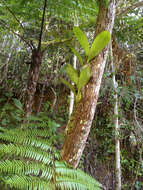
x=81 y=119
x=72 y=98
x=116 y=124
x=71 y=93
x=36 y=61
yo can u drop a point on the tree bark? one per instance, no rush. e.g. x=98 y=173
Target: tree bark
x=116 y=124
x=72 y=98
x=71 y=93
x=81 y=119
x=32 y=80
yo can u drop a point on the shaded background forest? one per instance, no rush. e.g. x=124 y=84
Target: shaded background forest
x=20 y=25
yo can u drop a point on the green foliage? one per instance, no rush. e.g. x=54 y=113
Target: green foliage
x=29 y=162
x=78 y=96
x=83 y=40
x=18 y=104
x=71 y=87
x=84 y=77
x=69 y=10
x=99 y=43
x=9 y=115
x=72 y=73
x=76 y=53
x=12 y=115
x=129 y=29
x=79 y=80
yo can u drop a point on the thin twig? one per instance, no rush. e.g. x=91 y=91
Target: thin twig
x=8 y=28
x=55 y=42
x=130 y=8
x=21 y=25
x=18 y=21
x=55 y=100
x=42 y=25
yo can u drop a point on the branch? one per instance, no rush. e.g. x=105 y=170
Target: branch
x=42 y=25
x=8 y=28
x=55 y=42
x=130 y=8
x=18 y=21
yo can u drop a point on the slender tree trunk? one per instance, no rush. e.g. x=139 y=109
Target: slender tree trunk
x=116 y=123
x=71 y=93
x=74 y=65
x=81 y=119
x=33 y=76
x=32 y=80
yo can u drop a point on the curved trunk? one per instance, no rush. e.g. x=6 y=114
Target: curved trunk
x=81 y=119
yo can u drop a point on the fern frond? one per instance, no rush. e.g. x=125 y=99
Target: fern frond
x=26 y=152
x=16 y=138
x=73 y=183
x=27 y=182
x=24 y=138
x=29 y=162
x=33 y=132
x=19 y=167
x=39 y=124
x=76 y=174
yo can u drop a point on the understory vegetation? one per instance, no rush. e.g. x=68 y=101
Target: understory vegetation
x=28 y=161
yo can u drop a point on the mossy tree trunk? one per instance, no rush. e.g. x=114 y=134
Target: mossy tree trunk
x=81 y=119
x=34 y=71
x=32 y=80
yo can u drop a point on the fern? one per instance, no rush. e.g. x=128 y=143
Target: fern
x=29 y=162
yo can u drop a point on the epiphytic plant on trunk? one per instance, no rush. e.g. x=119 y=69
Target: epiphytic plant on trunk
x=81 y=78
x=82 y=116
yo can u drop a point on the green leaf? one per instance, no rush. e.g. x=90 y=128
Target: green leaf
x=77 y=55
x=99 y=44
x=71 y=87
x=84 y=77
x=83 y=40
x=72 y=73
x=17 y=103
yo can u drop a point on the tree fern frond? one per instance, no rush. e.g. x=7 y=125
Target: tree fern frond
x=18 y=137
x=25 y=152
x=73 y=183
x=39 y=124
x=27 y=182
x=29 y=162
x=33 y=132
x=76 y=174
x=19 y=167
